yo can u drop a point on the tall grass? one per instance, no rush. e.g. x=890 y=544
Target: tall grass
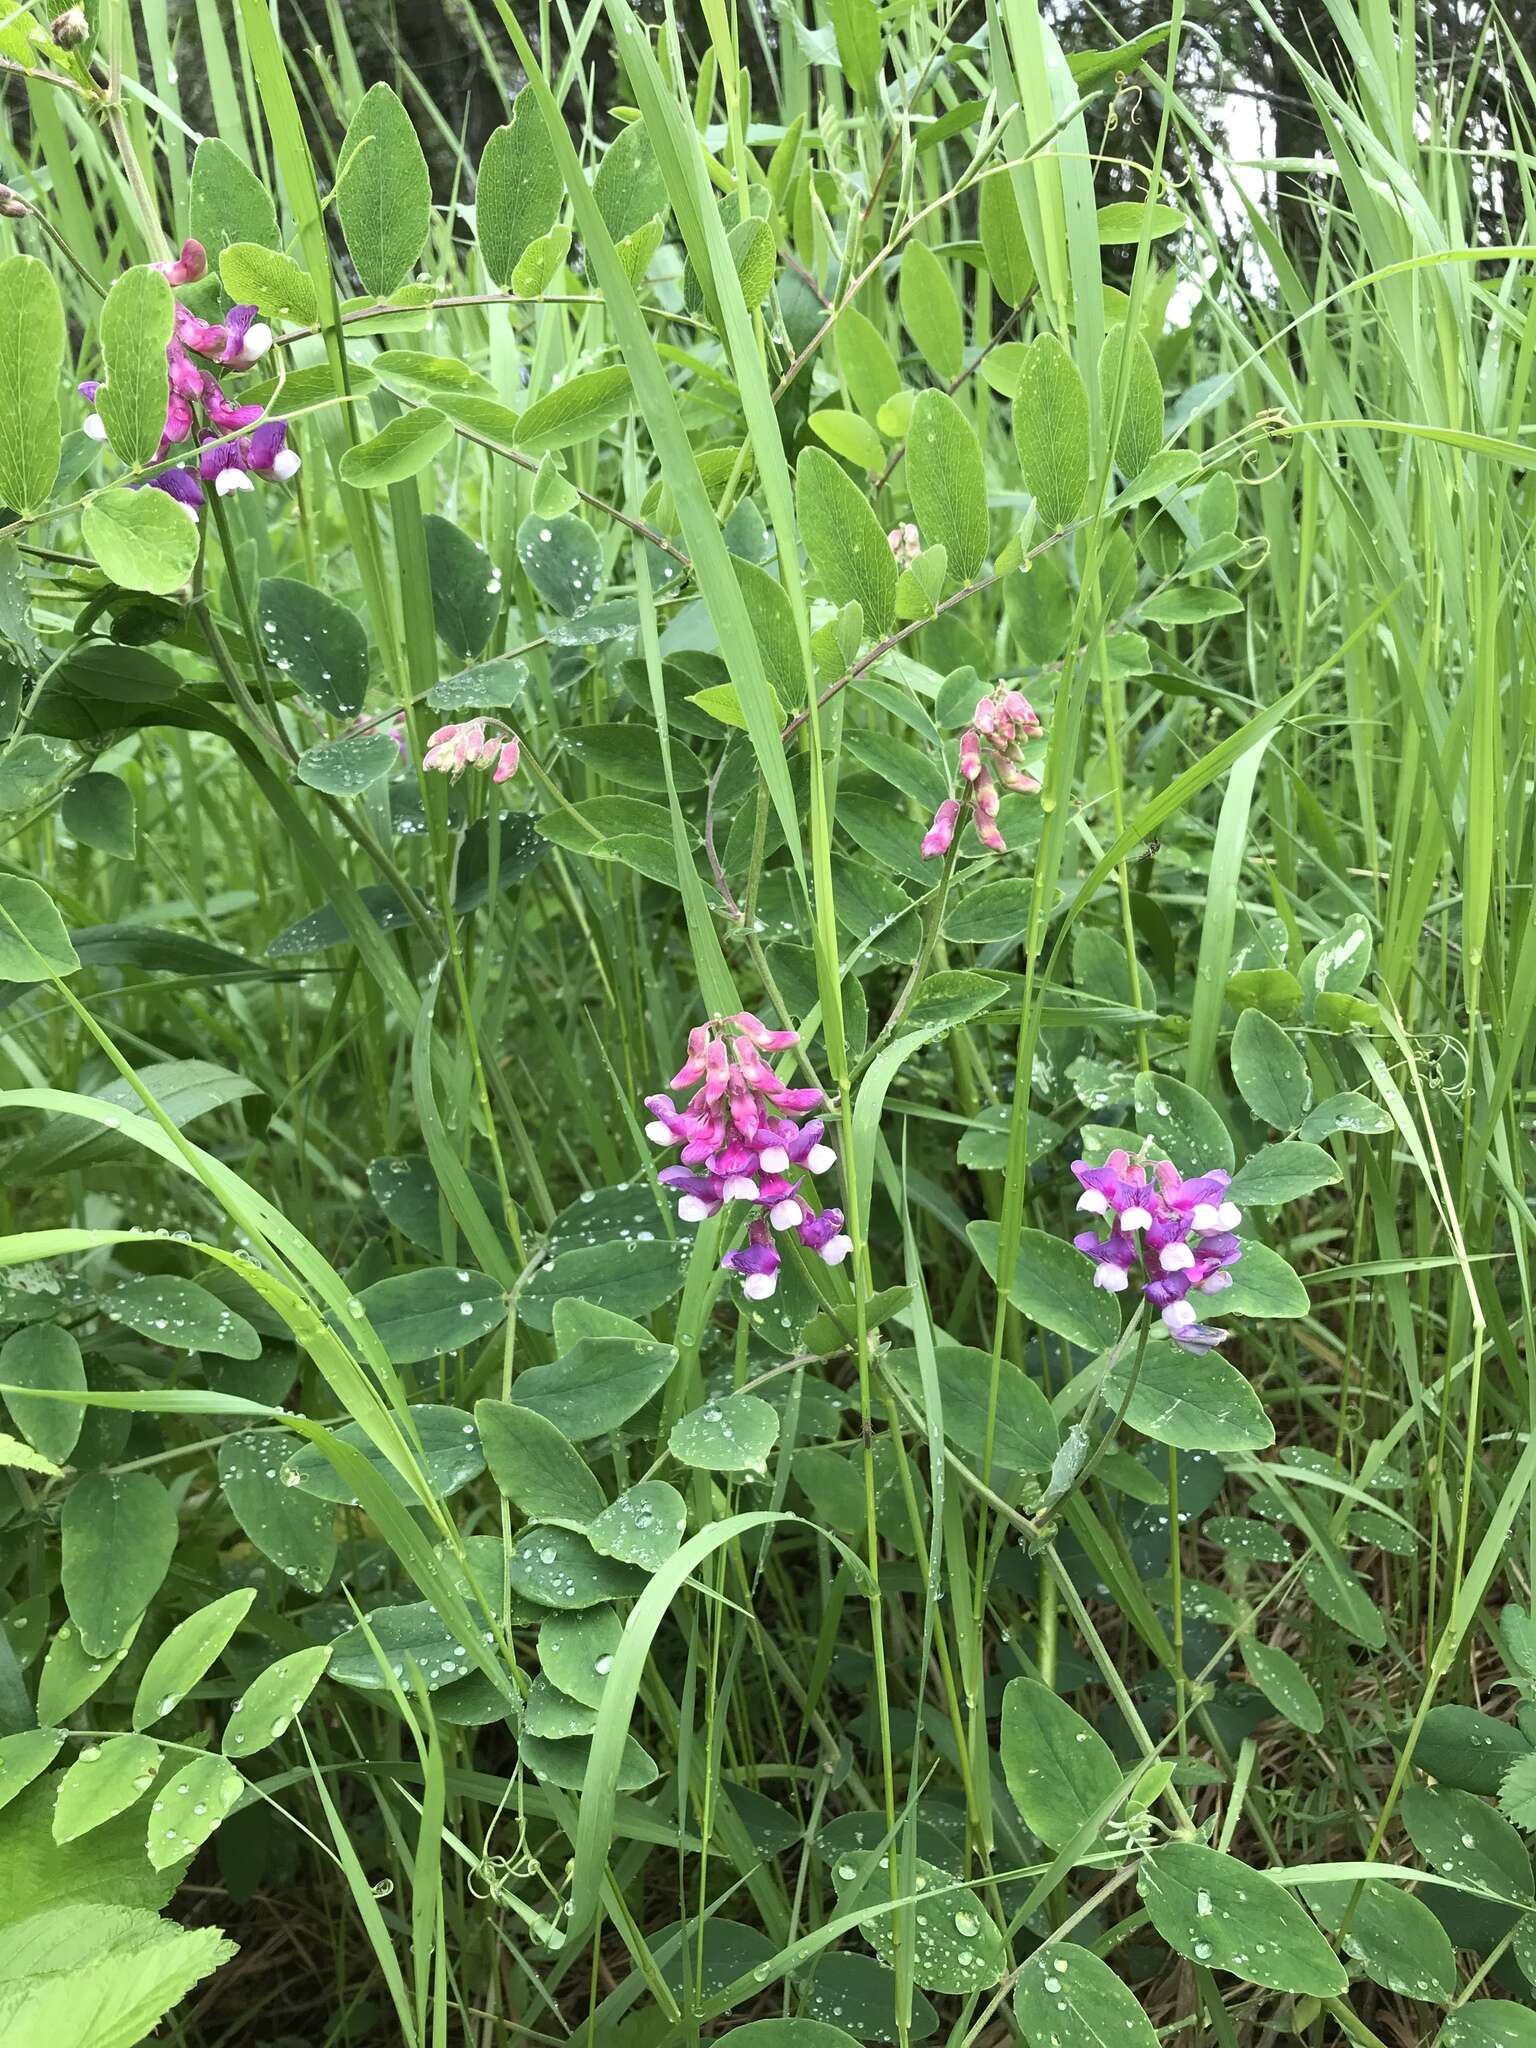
x=987 y=1548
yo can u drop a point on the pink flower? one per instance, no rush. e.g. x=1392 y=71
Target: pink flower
x=187 y=268
x=906 y=544
x=739 y=1141
x=991 y=751
x=476 y=743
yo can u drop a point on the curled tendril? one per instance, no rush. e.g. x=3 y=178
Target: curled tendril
x=384 y=1888
x=1438 y=1047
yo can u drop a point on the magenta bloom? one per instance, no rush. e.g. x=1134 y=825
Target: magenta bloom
x=740 y=1141
x=477 y=743
x=991 y=752
x=1180 y=1233
x=194 y=398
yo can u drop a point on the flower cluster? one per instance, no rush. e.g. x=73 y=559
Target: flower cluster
x=906 y=544
x=991 y=751
x=741 y=1143
x=196 y=404
x=1181 y=1231
x=477 y=743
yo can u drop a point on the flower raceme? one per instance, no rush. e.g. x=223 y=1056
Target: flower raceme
x=1182 y=1233
x=196 y=404
x=742 y=1142
x=991 y=752
x=478 y=743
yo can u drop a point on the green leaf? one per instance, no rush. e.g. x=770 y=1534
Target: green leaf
x=565 y=1763
x=576 y=1652
x=1392 y=1935
x=1517 y=1792
x=995 y=911
x=850 y=436
x=449 y=1453
x=611 y=1250
x=30 y=768
x=271 y=282
x=103 y=1978
x=1270 y=1073
x=179 y=1313
x=1192 y=1400
x=947 y=482
x=189 y=1807
x=1283 y=1172
x=730 y=1433
x=466 y=588
x=1053 y=1285
x=1285 y=1685
x=104 y=1780
x=227 y=203
x=791 y=2034
x=930 y=311
x=953 y=1943
x=1466 y=1749
x=540 y=261
x=97 y=809
x=433 y=1312
x=1461 y=1837
x=107 y=1868
x=518 y=190
x=1024 y=1433
x=188 y=1653
x=865 y=362
x=31 y=357
x=1489 y=2023
x=24 y=1757
x=143 y=540
x=383 y=192
x=1213 y=1910
x=1065 y=1993
x=316 y=641
x=347 y=767
x=1338 y=964
x=45 y=1357
x=844 y=540
x=1183 y=605
x=71 y=1675
x=1004 y=243
x=1140 y=433
x=1186 y=1128
x=1060 y=1771
x=136 y=324
x=643 y=1527
x=118 y=1533
x=597 y=1385
x=287 y=1526
x=559 y=1568
x=267 y=1707
x=629 y=187
x=1263 y=1284
x=856 y=28
x=536 y=1465
x=575 y=411
x=1050 y=429
x=412 y=1633
x=1346 y=1112
x=1121 y=221
x=563 y=560
x=399 y=451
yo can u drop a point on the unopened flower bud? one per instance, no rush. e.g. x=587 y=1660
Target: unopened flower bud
x=12 y=205
x=71 y=28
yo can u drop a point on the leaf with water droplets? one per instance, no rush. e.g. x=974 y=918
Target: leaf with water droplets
x=536 y=1465
x=576 y=1652
x=1490 y=2023
x=348 y=767
x=268 y=1704
x=1464 y=1839
x=565 y=1763
x=187 y=1654
x=449 y=1451
x=434 y=1311
x=1066 y=1993
x=70 y=1674
x=412 y=1633
x=730 y=1433
x=563 y=560
x=1285 y=1685
x=559 y=1568
x=466 y=587
x=179 y=1313
x=118 y=1534
x=44 y=1356
x=1214 y=1910
x=317 y=641
x=1192 y=1400
x=597 y=1385
x=104 y=1780
x=289 y=1527
x=1060 y=1771
x=1392 y=1935
x=643 y=1527
x=950 y=1940
x=24 y=1757
x=189 y=1806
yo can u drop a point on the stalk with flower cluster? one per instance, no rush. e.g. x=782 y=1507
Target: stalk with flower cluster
x=741 y=1142
x=1182 y=1234
x=196 y=405
x=991 y=752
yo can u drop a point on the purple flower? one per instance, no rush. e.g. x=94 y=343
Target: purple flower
x=739 y=1141
x=991 y=751
x=1181 y=1233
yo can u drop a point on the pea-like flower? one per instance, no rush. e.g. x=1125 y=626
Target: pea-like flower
x=477 y=743
x=991 y=752
x=741 y=1140
x=906 y=544
x=196 y=407
x=1181 y=1234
